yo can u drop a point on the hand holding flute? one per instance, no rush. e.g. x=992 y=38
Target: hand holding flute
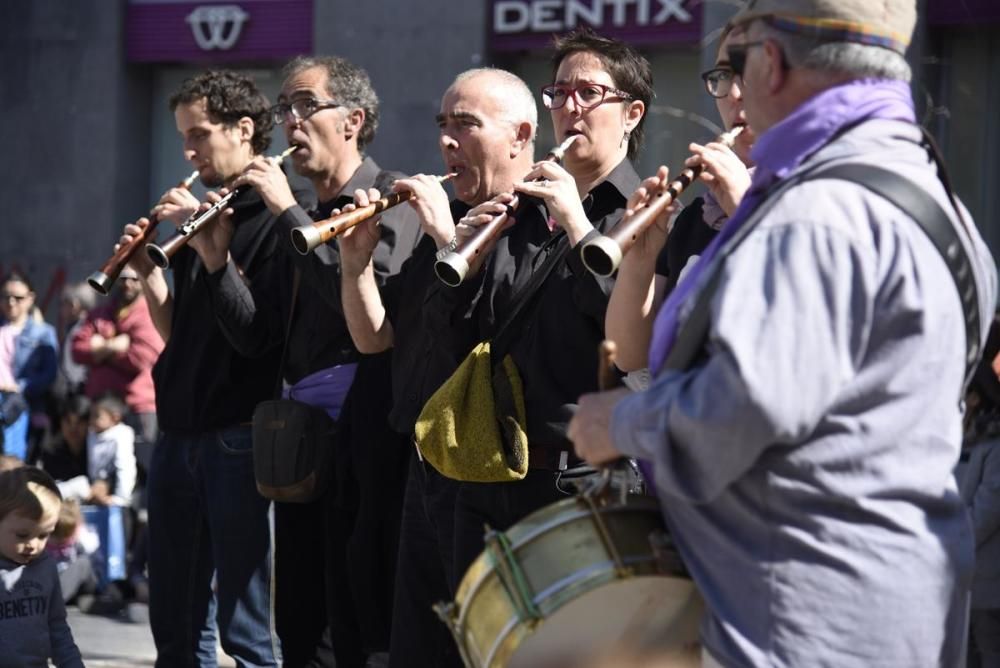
x=161 y=254
x=308 y=237
x=453 y=267
x=103 y=279
x=603 y=255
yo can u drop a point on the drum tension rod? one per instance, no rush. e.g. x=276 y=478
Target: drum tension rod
x=511 y=576
x=602 y=530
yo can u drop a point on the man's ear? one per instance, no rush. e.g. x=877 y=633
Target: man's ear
x=245 y=126
x=353 y=122
x=524 y=134
x=776 y=73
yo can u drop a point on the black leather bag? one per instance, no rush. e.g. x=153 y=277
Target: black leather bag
x=292 y=450
x=293 y=442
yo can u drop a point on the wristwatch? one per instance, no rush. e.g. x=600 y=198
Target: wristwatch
x=449 y=247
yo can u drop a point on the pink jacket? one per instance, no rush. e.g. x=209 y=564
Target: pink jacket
x=128 y=375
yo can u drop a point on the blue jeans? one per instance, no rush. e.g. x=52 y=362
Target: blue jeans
x=207 y=519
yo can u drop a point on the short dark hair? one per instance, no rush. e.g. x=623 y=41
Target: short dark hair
x=629 y=70
x=75 y=404
x=346 y=83
x=229 y=96
x=16 y=276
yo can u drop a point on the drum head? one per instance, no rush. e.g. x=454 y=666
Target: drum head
x=634 y=612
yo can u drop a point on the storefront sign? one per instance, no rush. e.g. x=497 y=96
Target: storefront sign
x=240 y=31
x=529 y=24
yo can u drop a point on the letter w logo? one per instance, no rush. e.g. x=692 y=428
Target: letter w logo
x=217 y=26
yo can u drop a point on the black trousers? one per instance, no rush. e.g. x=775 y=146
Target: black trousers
x=372 y=465
x=498 y=505
x=424 y=572
x=302 y=575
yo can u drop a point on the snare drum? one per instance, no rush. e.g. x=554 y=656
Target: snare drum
x=571 y=580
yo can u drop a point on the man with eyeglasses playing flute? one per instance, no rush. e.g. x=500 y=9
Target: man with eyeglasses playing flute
x=805 y=411
x=329 y=111
x=210 y=558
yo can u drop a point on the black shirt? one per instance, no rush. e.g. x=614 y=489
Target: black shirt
x=202 y=382
x=557 y=335
x=689 y=237
x=254 y=318
x=431 y=337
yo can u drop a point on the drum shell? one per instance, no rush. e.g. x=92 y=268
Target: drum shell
x=563 y=558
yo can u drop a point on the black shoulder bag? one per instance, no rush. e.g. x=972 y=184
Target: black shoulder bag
x=292 y=441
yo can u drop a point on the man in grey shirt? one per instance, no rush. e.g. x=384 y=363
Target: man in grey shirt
x=804 y=461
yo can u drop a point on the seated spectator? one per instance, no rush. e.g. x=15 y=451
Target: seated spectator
x=27 y=362
x=110 y=476
x=64 y=455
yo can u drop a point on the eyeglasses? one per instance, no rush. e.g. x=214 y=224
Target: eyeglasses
x=718 y=81
x=587 y=95
x=300 y=109
x=738 y=56
x=13 y=298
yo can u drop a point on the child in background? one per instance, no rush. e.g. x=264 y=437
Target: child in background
x=71 y=545
x=110 y=454
x=111 y=470
x=33 y=627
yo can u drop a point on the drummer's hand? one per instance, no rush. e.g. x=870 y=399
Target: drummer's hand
x=357 y=244
x=430 y=201
x=590 y=428
x=555 y=186
x=649 y=244
x=725 y=174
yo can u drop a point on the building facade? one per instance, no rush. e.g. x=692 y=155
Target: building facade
x=85 y=89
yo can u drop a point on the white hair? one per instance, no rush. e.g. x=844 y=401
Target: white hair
x=858 y=61
x=518 y=102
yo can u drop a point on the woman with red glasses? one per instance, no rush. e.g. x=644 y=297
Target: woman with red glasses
x=600 y=91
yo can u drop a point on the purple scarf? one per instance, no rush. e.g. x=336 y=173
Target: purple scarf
x=776 y=153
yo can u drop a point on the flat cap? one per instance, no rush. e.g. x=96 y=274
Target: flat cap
x=885 y=23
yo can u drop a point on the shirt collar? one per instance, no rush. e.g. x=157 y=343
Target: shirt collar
x=363 y=178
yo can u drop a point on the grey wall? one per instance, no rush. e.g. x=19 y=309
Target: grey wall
x=412 y=51
x=72 y=113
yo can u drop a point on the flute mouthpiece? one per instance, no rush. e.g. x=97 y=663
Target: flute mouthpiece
x=728 y=138
x=559 y=152
x=287 y=152
x=447 y=177
x=189 y=181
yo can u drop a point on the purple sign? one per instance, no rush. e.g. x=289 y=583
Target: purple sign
x=217 y=32
x=530 y=24
x=950 y=12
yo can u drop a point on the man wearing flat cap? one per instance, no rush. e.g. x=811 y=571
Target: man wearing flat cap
x=804 y=414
